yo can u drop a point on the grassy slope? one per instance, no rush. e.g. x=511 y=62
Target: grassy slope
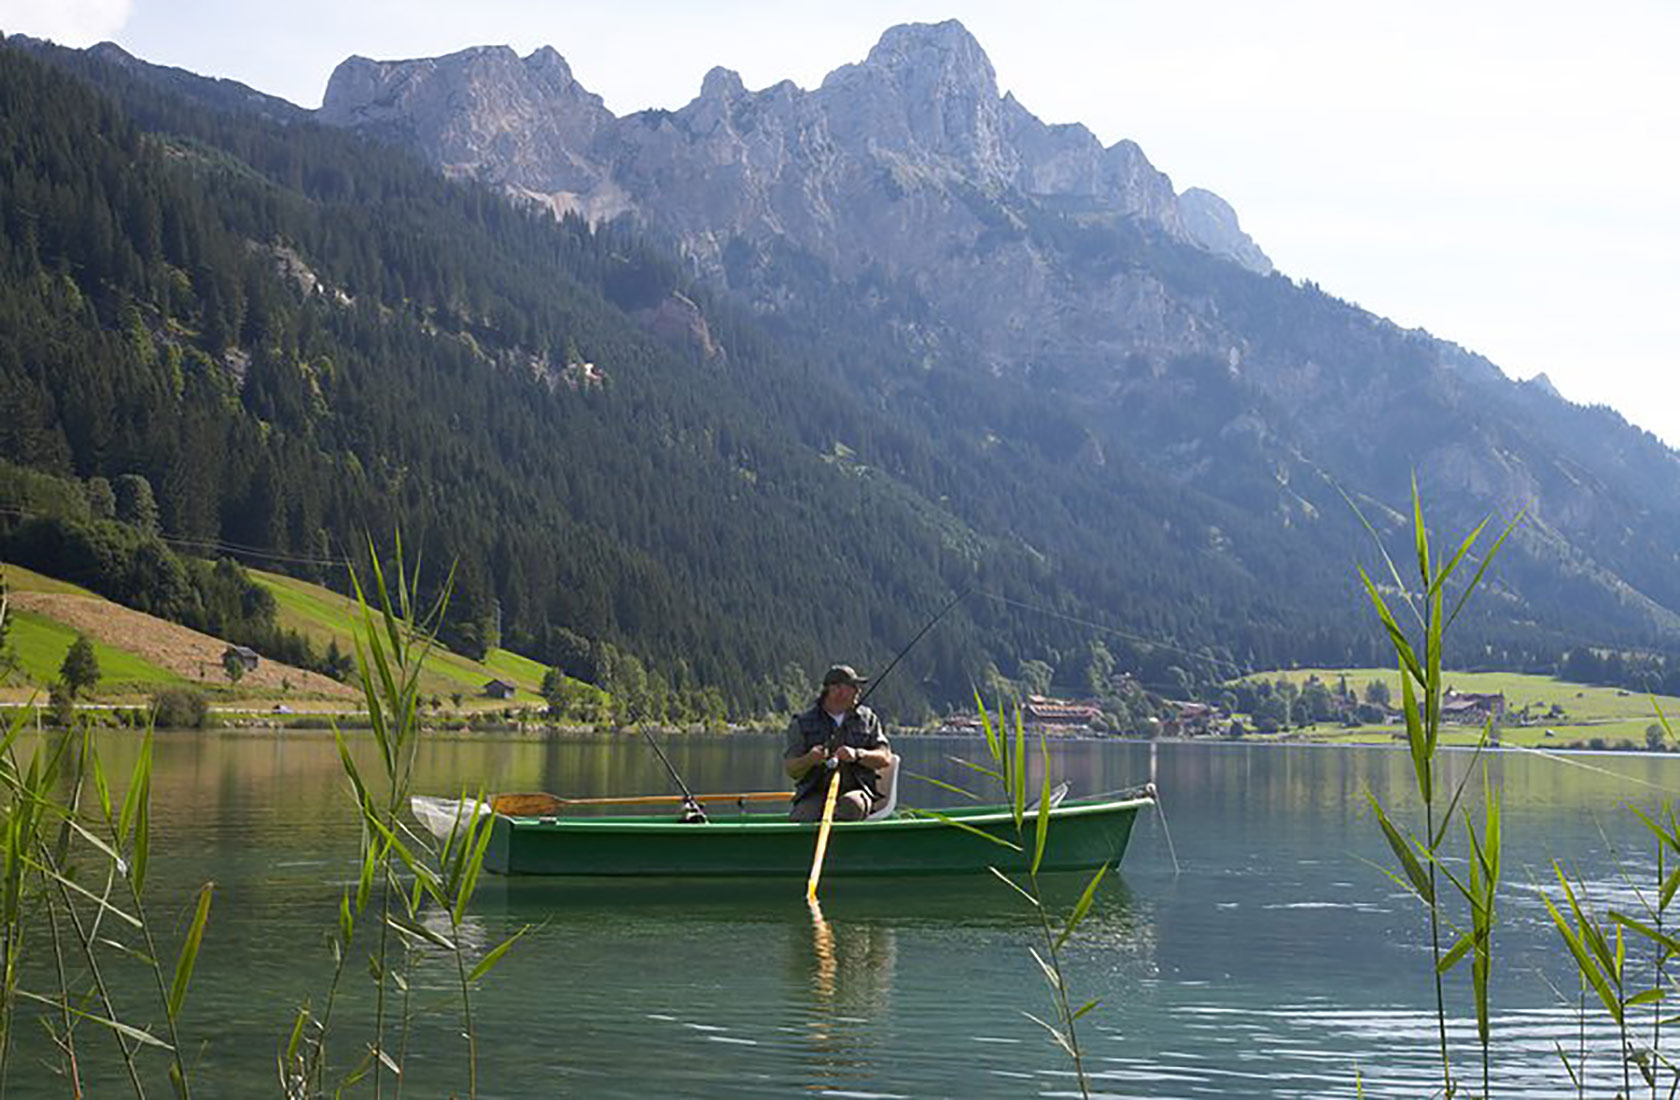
x=40 y=644
x=322 y=616
x=1588 y=711
x=19 y=579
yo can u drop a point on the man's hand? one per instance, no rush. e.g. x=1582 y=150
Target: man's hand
x=846 y=754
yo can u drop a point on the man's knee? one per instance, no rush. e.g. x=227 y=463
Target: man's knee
x=851 y=806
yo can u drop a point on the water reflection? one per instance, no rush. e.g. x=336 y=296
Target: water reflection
x=1280 y=963
x=850 y=974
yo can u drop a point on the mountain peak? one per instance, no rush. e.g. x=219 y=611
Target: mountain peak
x=922 y=50
x=1212 y=224
x=722 y=83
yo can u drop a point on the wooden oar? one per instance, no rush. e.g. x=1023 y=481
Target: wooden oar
x=822 y=835
x=540 y=804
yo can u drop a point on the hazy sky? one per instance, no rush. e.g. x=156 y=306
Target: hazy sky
x=1500 y=173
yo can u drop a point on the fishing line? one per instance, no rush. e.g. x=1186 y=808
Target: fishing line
x=692 y=812
x=908 y=646
x=231 y=548
x=1138 y=638
x=1562 y=759
x=1160 y=812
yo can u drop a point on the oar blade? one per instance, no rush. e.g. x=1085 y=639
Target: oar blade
x=535 y=804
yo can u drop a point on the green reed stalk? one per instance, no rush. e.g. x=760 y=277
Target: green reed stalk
x=1009 y=762
x=391 y=651
x=125 y=851
x=1602 y=965
x=1421 y=859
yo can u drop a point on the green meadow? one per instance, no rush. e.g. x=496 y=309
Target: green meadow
x=1584 y=712
x=323 y=616
x=39 y=644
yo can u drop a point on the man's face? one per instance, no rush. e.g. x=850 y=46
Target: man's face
x=842 y=697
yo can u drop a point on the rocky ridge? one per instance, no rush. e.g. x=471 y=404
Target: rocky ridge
x=989 y=239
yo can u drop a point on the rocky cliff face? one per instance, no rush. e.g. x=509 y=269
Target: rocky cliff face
x=951 y=215
x=1212 y=223
x=908 y=166
x=921 y=111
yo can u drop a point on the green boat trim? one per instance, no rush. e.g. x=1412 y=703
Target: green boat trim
x=1084 y=834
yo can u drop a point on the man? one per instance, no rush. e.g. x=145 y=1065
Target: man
x=836 y=727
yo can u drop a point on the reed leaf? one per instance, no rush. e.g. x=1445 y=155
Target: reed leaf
x=958 y=823
x=98 y=843
x=1417 y=740
x=138 y=787
x=1082 y=906
x=100 y=786
x=1456 y=953
x=1487 y=559
x=495 y=956
x=986 y=725
x=295 y=1040
x=364 y=882
x=189 y=951
x=972 y=766
x=1015 y=887
x=1432 y=694
x=952 y=787
x=1662 y=939
x=1396 y=636
x=1402 y=849
x=1668 y=838
x=1043 y=829
x=129 y=1031
x=53 y=875
x=1594 y=967
x=418 y=931
x=474 y=861
x=348 y=762
x=346 y=922
x=1056 y=1035
x=1458 y=556
x=1458 y=791
x=1050 y=974
x=1018 y=772
x=1420 y=534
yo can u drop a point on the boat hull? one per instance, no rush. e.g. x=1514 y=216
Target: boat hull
x=1083 y=835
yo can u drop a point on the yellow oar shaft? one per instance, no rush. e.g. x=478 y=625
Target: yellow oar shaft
x=822 y=835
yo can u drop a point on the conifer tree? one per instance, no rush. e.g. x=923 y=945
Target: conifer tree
x=80 y=669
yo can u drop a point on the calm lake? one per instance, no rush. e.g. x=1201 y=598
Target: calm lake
x=1277 y=961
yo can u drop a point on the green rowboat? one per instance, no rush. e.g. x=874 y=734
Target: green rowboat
x=1084 y=834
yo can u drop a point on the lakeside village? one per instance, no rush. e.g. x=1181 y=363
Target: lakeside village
x=1254 y=706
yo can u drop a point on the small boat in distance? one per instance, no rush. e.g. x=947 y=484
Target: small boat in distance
x=1084 y=834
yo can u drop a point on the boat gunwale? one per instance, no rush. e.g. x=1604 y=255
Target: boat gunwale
x=977 y=816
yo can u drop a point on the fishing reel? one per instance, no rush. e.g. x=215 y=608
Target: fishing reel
x=692 y=812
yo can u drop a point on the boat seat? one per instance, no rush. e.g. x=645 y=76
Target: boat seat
x=888 y=777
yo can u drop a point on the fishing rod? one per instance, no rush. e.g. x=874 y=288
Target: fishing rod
x=911 y=644
x=692 y=812
x=833 y=762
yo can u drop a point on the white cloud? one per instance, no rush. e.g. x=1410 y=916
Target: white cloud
x=67 y=22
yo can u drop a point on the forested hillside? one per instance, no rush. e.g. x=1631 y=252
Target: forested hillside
x=296 y=339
